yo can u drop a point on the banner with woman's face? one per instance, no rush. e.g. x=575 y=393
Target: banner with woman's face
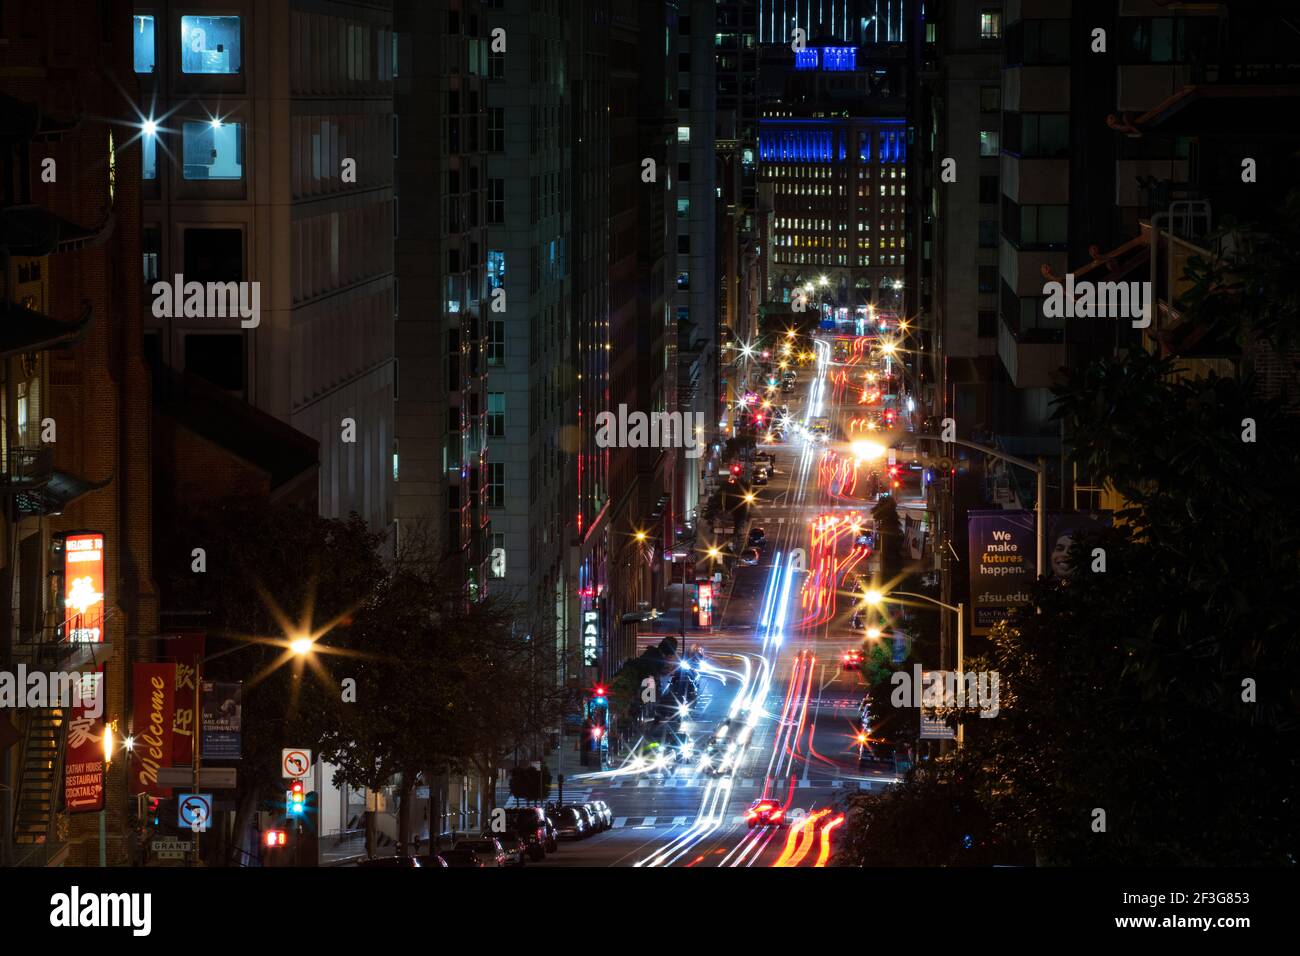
x=1063 y=529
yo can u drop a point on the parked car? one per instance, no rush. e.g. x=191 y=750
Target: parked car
x=570 y=824
x=488 y=849
x=552 y=829
x=384 y=862
x=531 y=825
x=605 y=812
x=516 y=850
x=435 y=860
x=590 y=817
x=455 y=858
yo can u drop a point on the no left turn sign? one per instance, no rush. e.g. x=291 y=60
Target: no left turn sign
x=295 y=762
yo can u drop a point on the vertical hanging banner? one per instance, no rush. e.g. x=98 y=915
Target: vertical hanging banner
x=83 y=757
x=83 y=584
x=153 y=693
x=184 y=716
x=222 y=728
x=591 y=637
x=1062 y=530
x=1001 y=552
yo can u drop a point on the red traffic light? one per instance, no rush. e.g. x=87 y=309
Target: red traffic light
x=598 y=690
x=735 y=469
x=273 y=838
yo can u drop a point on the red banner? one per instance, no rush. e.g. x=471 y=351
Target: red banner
x=155 y=715
x=83 y=760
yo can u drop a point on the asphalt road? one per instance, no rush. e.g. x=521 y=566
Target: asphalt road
x=774 y=667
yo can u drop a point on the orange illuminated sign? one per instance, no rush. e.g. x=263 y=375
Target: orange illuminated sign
x=83 y=588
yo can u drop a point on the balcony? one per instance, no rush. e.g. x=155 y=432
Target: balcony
x=26 y=469
x=1032 y=355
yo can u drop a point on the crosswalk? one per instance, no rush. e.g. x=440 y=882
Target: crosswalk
x=693 y=783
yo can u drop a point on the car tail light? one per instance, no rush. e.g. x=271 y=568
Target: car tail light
x=777 y=814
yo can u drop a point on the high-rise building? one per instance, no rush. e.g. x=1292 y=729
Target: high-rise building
x=696 y=313
x=448 y=340
x=532 y=498
x=268 y=162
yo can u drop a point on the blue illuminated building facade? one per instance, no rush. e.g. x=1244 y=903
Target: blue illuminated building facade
x=837 y=188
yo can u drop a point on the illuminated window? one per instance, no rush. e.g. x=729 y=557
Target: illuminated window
x=989 y=142
x=212 y=150
x=496 y=268
x=149 y=160
x=210 y=45
x=990 y=24
x=496 y=415
x=144 y=49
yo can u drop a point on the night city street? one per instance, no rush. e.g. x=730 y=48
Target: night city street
x=560 y=435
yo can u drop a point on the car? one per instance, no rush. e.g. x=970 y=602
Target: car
x=456 y=858
x=435 y=860
x=597 y=817
x=383 y=862
x=516 y=850
x=765 y=813
x=851 y=660
x=605 y=812
x=750 y=557
x=756 y=537
x=531 y=826
x=570 y=824
x=487 y=849
x=589 y=819
x=760 y=477
x=552 y=829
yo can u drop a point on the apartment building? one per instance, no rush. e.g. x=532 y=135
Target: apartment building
x=276 y=172
x=75 y=413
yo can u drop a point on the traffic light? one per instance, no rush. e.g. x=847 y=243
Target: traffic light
x=735 y=469
x=274 y=838
x=154 y=810
x=296 y=799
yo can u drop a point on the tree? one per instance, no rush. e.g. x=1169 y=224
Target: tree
x=1156 y=684
x=270 y=569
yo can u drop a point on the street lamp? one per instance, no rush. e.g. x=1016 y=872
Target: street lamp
x=875 y=598
x=1039 y=470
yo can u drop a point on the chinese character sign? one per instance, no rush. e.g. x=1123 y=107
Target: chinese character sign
x=83 y=584
x=83 y=762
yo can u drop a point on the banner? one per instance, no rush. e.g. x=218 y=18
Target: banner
x=1062 y=529
x=222 y=706
x=83 y=756
x=184 y=718
x=1001 y=553
x=154 y=699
